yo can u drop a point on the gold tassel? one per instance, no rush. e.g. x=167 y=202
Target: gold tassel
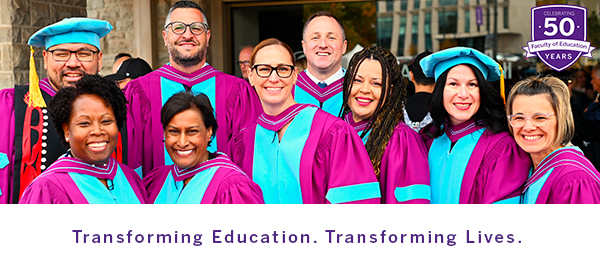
x=502 y=84
x=35 y=94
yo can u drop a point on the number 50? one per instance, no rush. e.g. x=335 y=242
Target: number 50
x=549 y=23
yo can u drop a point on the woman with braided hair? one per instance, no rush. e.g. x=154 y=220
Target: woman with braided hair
x=374 y=92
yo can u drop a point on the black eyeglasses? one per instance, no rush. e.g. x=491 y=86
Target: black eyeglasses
x=245 y=63
x=283 y=71
x=179 y=28
x=63 y=55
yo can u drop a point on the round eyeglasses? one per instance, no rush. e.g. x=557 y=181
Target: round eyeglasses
x=179 y=28
x=264 y=71
x=63 y=55
x=537 y=119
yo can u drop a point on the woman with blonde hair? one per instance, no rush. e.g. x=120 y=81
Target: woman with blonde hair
x=539 y=114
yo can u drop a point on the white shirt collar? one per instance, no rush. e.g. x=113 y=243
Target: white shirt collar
x=336 y=76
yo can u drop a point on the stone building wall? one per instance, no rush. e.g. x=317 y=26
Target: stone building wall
x=19 y=19
x=119 y=13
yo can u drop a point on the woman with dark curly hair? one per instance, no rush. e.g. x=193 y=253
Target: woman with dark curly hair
x=87 y=117
x=472 y=157
x=374 y=92
x=197 y=175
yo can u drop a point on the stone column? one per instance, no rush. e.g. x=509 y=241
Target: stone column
x=19 y=19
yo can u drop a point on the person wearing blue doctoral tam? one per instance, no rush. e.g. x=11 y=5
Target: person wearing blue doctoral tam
x=71 y=30
x=31 y=144
x=472 y=157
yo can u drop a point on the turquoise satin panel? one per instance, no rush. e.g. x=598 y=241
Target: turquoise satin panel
x=447 y=168
x=96 y=193
x=3 y=160
x=412 y=192
x=353 y=193
x=533 y=191
x=276 y=165
x=513 y=200
x=193 y=193
x=334 y=104
x=139 y=172
x=170 y=88
x=366 y=138
x=304 y=97
x=3 y=163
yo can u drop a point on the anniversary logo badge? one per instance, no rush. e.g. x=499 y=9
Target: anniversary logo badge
x=558 y=35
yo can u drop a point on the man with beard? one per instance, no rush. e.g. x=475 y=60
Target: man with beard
x=29 y=141
x=324 y=43
x=235 y=103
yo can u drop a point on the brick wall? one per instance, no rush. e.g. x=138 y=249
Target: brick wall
x=19 y=19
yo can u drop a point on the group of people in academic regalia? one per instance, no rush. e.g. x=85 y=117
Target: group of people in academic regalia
x=189 y=133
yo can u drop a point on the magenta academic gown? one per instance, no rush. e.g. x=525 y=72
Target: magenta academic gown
x=235 y=102
x=320 y=159
x=71 y=181
x=564 y=176
x=404 y=171
x=481 y=167
x=216 y=181
x=27 y=146
x=329 y=99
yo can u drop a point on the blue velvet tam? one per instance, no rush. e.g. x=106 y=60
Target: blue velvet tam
x=71 y=30
x=436 y=64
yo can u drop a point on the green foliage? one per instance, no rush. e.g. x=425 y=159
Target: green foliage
x=593 y=29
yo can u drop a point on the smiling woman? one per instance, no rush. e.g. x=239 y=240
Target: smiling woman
x=298 y=153
x=197 y=176
x=374 y=94
x=87 y=117
x=472 y=157
x=541 y=121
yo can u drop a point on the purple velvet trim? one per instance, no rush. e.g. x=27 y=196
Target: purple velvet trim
x=360 y=126
x=69 y=164
x=321 y=94
x=275 y=123
x=46 y=86
x=191 y=79
x=456 y=132
x=221 y=161
x=561 y=157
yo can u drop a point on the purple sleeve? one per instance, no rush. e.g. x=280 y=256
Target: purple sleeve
x=238 y=189
x=138 y=128
x=7 y=143
x=243 y=107
x=503 y=172
x=342 y=160
x=404 y=164
x=43 y=190
x=153 y=182
x=576 y=188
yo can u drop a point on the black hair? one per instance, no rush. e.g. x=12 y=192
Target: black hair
x=389 y=111
x=185 y=4
x=323 y=14
x=491 y=113
x=61 y=105
x=417 y=70
x=122 y=55
x=184 y=101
